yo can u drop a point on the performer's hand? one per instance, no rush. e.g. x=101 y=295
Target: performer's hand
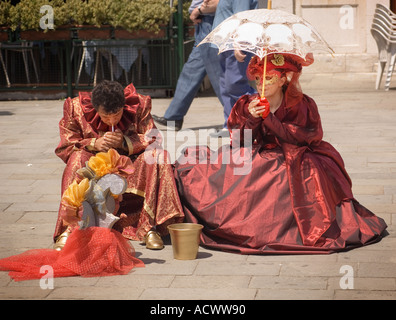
x=101 y=145
x=239 y=55
x=258 y=108
x=252 y=108
x=114 y=139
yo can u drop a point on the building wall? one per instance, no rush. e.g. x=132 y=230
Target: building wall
x=345 y=24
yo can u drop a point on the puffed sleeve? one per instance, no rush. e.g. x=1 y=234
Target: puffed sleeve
x=143 y=131
x=71 y=132
x=240 y=118
x=300 y=126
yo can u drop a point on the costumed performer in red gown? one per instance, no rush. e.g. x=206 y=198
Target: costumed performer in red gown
x=111 y=117
x=295 y=197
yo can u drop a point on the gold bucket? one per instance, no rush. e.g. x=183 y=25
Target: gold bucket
x=185 y=240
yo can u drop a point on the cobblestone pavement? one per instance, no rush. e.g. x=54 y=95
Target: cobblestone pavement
x=359 y=121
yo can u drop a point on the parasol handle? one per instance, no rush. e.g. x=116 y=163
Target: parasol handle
x=269 y=6
x=264 y=74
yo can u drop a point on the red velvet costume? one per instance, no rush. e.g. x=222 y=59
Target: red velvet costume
x=296 y=198
x=151 y=198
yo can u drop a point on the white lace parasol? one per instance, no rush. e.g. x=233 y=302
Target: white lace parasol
x=264 y=31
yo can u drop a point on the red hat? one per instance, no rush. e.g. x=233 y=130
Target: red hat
x=286 y=62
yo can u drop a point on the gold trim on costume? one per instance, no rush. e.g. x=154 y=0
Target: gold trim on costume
x=136 y=191
x=129 y=144
x=91 y=146
x=148 y=209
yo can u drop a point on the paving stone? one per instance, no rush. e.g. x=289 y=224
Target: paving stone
x=283 y=282
x=137 y=280
x=364 y=295
x=282 y=259
x=198 y=294
x=95 y=292
x=309 y=269
x=368 y=255
x=368 y=284
x=26 y=293
x=58 y=282
x=211 y=282
x=377 y=270
x=237 y=268
x=168 y=268
x=290 y=294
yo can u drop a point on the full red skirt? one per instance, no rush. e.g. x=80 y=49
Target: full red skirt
x=253 y=213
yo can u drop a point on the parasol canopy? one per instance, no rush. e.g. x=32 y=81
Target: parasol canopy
x=264 y=31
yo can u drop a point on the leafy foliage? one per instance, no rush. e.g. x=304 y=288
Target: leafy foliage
x=131 y=15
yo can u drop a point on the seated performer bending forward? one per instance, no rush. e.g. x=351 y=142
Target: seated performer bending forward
x=112 y=117
x=296 y=196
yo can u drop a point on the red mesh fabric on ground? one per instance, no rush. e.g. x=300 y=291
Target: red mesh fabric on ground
x=91 y=252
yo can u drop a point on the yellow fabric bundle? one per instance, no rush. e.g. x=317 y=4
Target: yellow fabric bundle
x=104 y=162
x=75 y=193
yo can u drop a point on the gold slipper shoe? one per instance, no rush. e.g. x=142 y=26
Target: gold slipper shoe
x=153 y=240
x=61 y=240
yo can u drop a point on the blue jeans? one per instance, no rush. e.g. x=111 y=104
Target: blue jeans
x=201 y=61
x=233 y=81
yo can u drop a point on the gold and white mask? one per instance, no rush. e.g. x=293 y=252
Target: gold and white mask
x=271 y=77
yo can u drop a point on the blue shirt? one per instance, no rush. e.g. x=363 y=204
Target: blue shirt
x=194 y=4
x=226 y=8
x=198 y=3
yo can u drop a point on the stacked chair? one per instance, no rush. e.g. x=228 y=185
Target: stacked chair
x=383 y=30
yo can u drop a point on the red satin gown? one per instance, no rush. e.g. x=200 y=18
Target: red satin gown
x=288 y=193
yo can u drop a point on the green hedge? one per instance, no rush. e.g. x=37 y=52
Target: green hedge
x=131 y=15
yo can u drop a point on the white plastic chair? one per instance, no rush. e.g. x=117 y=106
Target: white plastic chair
x=4 y=68
x=386 y=10
x=383 y=30
x=381 y=41
x=24 y=48
x=89 y=51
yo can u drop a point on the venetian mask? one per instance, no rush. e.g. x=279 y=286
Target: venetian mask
x=271 y=77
